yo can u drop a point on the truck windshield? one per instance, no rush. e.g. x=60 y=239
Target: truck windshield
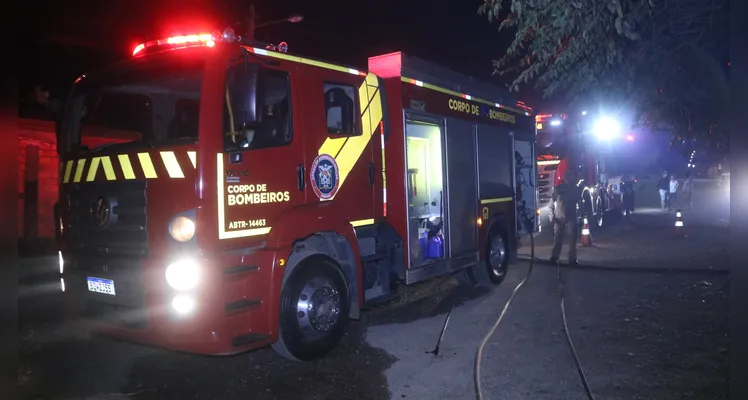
x=153 y=100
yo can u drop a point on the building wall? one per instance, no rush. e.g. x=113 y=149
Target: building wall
x=39 y=135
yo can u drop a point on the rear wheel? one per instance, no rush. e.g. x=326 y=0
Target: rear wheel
x=492 y=270
x=599 y=216
x=314 y=311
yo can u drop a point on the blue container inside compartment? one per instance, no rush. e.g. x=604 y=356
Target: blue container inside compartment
x=436 y=247
x=424 y=243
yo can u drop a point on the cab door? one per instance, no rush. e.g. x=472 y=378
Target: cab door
x=341 y=144
x=261 y=179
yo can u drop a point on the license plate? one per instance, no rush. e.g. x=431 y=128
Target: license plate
x=100 y=285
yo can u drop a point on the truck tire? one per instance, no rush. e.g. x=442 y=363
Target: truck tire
x=313 y=310
x=491 y=271
x=599 y=216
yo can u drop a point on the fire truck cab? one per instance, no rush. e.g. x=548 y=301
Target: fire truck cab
x=265 y=198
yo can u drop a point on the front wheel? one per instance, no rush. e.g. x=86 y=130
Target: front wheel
x=313 y=311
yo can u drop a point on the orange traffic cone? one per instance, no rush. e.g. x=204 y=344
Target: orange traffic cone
x=586 y=239
x=679 y=229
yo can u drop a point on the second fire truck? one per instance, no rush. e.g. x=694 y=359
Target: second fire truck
x=266 y=198
x=560 y=140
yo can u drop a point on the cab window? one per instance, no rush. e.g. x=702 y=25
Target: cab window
x=272 y=126
x=341 y=110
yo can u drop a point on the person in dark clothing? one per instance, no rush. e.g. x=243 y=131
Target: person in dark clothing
x=663 y=186
x=566 y=196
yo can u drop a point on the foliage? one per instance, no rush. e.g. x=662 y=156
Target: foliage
x=659 y=58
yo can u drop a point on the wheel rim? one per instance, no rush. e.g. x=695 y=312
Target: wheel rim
x=318 y=307
x=599 y=215
x=497 y=256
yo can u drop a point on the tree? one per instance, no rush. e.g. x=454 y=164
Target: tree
x=658 y=58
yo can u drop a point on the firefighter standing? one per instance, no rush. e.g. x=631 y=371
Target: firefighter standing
x=564 y=216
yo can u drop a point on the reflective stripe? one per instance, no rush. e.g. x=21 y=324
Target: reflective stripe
x=145 y=161
x=551 y=162
x=362 y=222
x=92 y=169
x=124 y=162
x=496 y=200
x=68 y=170
x=307 y=61
x=464 y=96
x=171 y=164
x=384 y=175
x=79 y=170
x=106 y=162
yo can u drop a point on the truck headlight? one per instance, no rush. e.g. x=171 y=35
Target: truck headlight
x=182 y=229
x=183 y=304
x=183 y=275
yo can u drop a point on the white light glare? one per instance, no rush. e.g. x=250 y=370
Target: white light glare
x=61 y=260
x=183 y=275
x=183 y=304
x=555 y=122
x=584 y=112
x=607 y=128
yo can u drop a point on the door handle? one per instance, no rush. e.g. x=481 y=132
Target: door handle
x=300 y=177
x=371 y=173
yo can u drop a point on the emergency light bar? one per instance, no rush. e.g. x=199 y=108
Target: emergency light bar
x=204 y=39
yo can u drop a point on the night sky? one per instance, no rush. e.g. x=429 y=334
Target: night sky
x=82 y=35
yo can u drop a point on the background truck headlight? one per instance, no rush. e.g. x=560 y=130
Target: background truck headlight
x=182 y=229
x=183 y=275
x=607 y=128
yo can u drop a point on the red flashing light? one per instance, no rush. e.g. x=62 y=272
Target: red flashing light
x=203 y=38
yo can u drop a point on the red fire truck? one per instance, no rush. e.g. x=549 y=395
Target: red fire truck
x=269 y=197
x=559 y=141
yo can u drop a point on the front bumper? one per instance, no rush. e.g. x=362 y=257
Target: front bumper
x=235 y=304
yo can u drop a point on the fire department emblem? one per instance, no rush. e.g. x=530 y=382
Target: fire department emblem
x=324 y=176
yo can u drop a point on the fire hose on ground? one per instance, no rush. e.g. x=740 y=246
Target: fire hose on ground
x=479 y=353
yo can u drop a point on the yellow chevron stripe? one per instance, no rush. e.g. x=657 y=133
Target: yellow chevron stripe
x=106 y=162
x=74 y=171
x=79 y=170
x=347 y=151
x=92 y=170
x=145 y=161
x=68 y=170
x=193 y=158
x=171 y=164
x=127 y=171
x=332 y=146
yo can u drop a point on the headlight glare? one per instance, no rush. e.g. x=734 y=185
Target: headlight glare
x=182 y=229
x=183 y=275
